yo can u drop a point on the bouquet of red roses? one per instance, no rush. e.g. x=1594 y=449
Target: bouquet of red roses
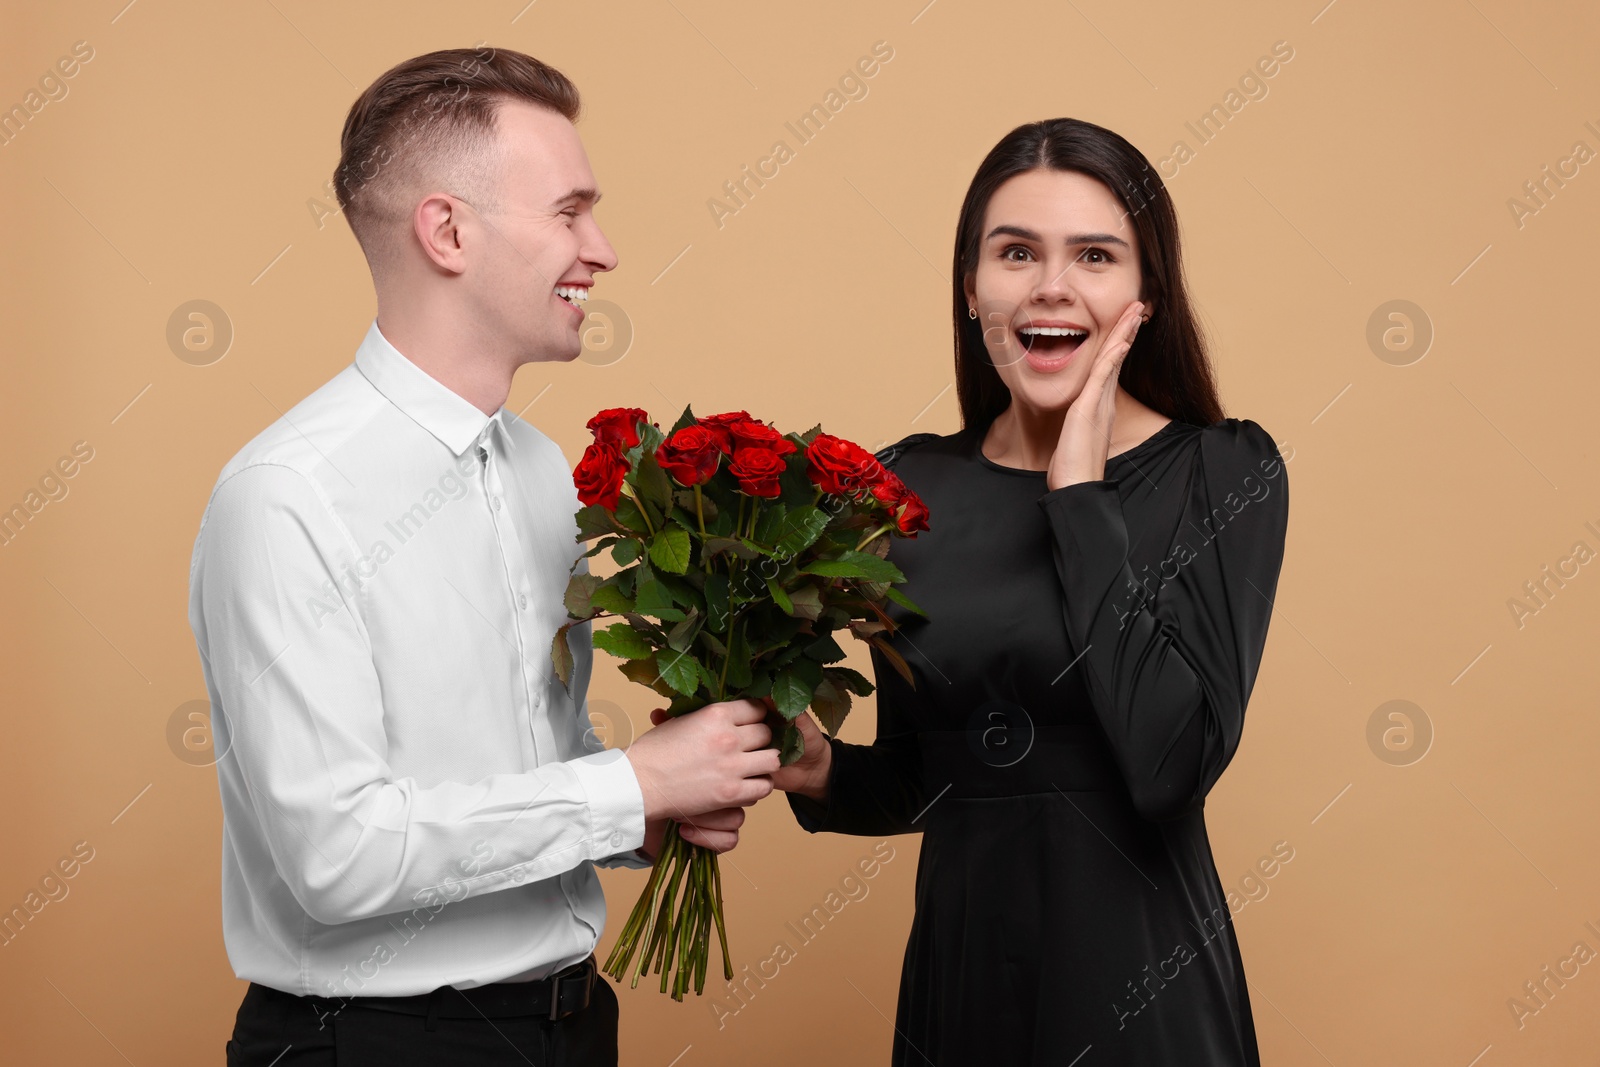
x=741 y=551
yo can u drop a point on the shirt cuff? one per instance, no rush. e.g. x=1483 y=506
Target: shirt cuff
x=616 y=803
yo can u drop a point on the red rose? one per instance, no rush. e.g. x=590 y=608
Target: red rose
x=904 y=506
x=842 y=467
x=599 y=473
x=618 y=426
x=752 y=434
x=913 y=515
x=757 y=470
x=718 y=425
x=691 y=455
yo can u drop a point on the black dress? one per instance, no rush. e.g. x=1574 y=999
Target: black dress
x=1081 y=684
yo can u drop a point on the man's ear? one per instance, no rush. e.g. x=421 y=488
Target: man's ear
x=435 y=224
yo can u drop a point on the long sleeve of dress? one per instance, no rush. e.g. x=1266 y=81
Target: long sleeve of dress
x=1170 y=653
x=873 y=789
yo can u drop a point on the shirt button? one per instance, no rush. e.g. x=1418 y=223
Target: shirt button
x=522 y=601
x=616 y=839
x=497 y=503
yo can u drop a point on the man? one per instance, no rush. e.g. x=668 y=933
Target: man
x=413 y=804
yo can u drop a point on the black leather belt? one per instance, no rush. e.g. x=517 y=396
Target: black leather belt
x=564 y=993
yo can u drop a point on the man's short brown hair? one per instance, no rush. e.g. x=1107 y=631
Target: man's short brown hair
x=432 y=120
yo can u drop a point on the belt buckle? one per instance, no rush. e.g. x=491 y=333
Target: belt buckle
x=582 y=971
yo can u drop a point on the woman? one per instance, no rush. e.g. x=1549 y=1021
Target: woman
x=1098 y=581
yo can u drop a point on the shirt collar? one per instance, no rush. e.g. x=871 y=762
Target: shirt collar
x=434 y=406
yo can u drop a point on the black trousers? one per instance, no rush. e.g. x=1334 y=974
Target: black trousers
x=278 y=1029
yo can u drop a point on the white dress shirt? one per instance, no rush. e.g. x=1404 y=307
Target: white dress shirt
x=410 y=796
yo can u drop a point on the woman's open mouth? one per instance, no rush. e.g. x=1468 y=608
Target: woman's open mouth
x=1050 y=347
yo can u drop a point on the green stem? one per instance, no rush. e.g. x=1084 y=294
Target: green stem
x=699 y=510
x=874 y=535
x=722 y=680
x=638 y=929
x=644 y=509
x=722 y=930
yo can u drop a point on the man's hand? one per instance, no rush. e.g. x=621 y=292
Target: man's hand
x=716 y=830
x=807 y=775
x=713 y=759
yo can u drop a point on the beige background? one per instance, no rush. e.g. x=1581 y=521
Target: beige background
x=186 y=160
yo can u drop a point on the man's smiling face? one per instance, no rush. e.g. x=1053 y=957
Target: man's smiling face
x=542 y=244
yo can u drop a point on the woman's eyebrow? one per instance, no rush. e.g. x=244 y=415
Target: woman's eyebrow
x=1071 y=239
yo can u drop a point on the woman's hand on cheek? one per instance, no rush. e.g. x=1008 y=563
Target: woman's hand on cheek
x=1080 y=454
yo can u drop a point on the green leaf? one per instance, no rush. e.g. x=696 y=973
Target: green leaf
x=609 y=597
x=800 y=529
x=594 y=520
x=626 y=550
x=650 y=439
x=708 y=677
x=561 y=654
x=807 y=601
x=716 y=593
x=580 y=595
x=682 y=635
x=644 y=672
x=760 y=685
x=790 y=693
x=600 y=546
x=769 y=522
x=896 y=660
x=679 y=670
x=825 y=650
x=904 y=601
x=653 y=482
x=853 y=564
x=684 y=593
x=791 y=746
x=669 y=549
x=623 y=641
x=686 y=419
x=716 y=546
x=738 y=660
x=779 y=597
x=651 y=597
x=831 y=704
x=628 y=515
x=847 y=678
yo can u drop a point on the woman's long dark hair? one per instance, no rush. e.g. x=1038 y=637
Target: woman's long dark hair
x=1167 y=367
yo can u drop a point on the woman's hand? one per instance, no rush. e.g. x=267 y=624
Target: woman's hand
x=807 y=775
x=1080 y=455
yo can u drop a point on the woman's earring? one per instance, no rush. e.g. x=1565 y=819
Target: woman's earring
x=972 y=312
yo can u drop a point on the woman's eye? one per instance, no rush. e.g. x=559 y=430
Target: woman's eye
x=1006 y=253
x=1105 y=256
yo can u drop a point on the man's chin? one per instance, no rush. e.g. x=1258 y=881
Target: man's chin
x=564 y=350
